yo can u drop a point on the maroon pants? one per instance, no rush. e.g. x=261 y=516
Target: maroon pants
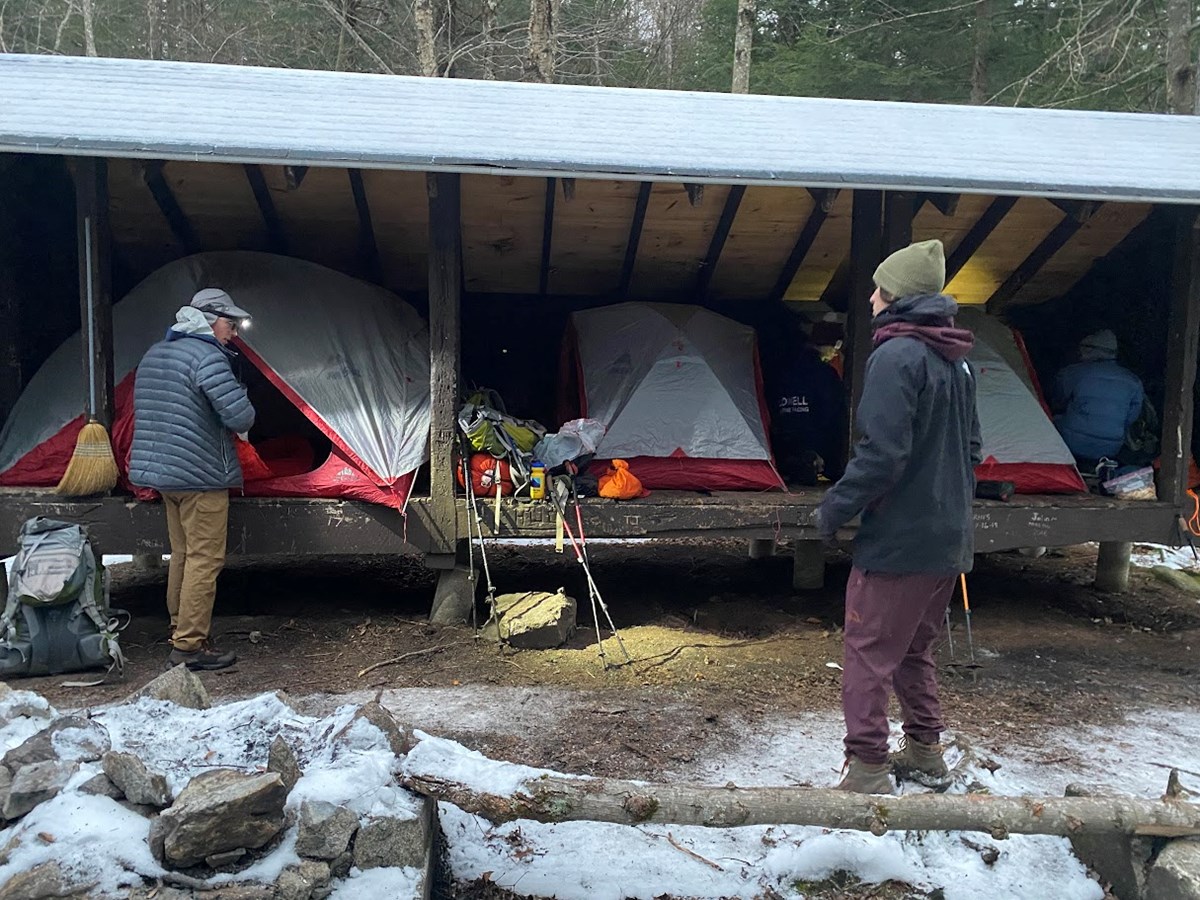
x=892 y=622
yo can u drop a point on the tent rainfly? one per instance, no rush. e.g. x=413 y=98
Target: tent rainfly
x=353 y=358
x=679 y=390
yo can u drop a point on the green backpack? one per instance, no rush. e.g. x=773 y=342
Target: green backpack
x=56 y=615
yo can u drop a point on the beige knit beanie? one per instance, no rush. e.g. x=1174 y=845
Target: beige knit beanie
x=917 y=269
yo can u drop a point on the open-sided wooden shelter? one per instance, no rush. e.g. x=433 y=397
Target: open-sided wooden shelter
x=540 y=198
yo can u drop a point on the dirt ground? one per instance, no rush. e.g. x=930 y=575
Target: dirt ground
x=709 y=632
x=716 y=641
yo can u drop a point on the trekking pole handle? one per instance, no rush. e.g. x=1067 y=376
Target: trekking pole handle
x=963 y=580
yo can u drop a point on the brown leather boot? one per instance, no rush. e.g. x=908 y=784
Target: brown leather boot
x=865 y=778
x=920 y=762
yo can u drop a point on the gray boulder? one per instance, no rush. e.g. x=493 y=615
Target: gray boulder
x=308 y=881
x=1175 y=875
x=180 y=686
x=324 y=830
x=46 y=881
x=218 y=811
x=70 y=738
x=283 y=761
x=391 y=841
x=535 y=620
x=399 y=737
x=6 y=779
x=36 y=783
x=137 y=783
x=101 y=785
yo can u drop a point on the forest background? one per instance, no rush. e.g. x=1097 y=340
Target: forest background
x=1127 y=55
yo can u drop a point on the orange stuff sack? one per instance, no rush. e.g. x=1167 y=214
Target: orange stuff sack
x=253 y=467
x=483 y=476
x=618 y=483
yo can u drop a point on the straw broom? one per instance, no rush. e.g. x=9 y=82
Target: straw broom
x=93 y=468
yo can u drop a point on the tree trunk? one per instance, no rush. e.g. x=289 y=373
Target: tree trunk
x=488 y=30
x=554 y=798
x=542 y=23
x=1181 y=69
x=426 y=46
x=982 y=42
x=89 y=28
x=743 y=41
x=153 y=50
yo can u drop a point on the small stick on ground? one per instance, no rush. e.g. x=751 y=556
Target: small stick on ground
x=1177 y=768
x=682 y=849
x=403 y=656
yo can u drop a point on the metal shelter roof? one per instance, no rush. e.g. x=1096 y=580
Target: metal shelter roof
x=193 y=111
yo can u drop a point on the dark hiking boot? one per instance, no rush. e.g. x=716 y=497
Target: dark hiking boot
x=865 y=778
x=920 y=762
x=205 y=659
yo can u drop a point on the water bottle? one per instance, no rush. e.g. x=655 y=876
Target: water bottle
x=537 y=481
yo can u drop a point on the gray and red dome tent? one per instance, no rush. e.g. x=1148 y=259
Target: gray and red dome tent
x=353 y=358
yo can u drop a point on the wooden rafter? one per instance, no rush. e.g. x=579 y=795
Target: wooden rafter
x=1033 y=263
x=547 y=237
x=1080 y=210
x=266 y=206
x=946 y=204
x=980 y=231
x=899 y=209
x=367 y=246
x=164 y=198
x=294 y=176
x=720 y=234
x=695 y=193
x=635 y=237
x=568 y=188
x=822 y=205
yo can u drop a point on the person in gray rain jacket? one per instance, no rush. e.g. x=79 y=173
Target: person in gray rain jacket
x=912 y=481
x=187 y=405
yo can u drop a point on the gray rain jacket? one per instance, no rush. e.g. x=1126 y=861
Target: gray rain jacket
x=186 y=405
x=912 y=476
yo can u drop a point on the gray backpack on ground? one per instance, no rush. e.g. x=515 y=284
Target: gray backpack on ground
x=56 y=617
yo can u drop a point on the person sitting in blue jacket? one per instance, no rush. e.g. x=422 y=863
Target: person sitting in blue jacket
x=1096 y=400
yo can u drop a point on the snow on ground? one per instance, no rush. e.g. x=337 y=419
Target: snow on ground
x=578 y=860
x=1149 y=555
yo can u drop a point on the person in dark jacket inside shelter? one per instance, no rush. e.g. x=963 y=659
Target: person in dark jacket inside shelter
x=187 y=405
x=1095 y=401
x=911 y=478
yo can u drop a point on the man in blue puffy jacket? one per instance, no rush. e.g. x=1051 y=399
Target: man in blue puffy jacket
x=1096 y=400
x=187 y=404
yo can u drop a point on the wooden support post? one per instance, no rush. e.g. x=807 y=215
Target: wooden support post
x=1183 y=328
x=547 y=237
x=761 y=548
x=266 y=206
x=720 y=234
x=95 y=286
x=367 y=247
x=635 y=237
x=445 y=296
x=1032 y=264
x=980 y=231
x=808 y=566
x=1112 y=566
x=823 y=203
x=866 y=250
x=898 y=213
x=152 y=175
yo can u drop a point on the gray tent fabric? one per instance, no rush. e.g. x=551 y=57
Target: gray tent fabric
x=354 y=356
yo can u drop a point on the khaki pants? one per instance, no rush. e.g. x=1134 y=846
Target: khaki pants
x=198 y=524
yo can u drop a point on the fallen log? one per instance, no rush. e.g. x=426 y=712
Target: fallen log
x=553 y=798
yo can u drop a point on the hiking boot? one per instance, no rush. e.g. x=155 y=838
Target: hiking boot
x=920 y=762
x=865 y=778
x=205 y=659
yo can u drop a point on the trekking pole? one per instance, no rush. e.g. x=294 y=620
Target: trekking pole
x=950 y=636
x=588 y=564
x=561 y=513
x=967 y=610
x=466 y=473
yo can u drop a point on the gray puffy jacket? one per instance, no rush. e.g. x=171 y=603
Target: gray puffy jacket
x=186 y=405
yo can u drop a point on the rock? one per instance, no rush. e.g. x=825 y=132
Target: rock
x=9 y=846
x=341 y=866
x=137 y=783
x=101 y=786
x=282 y=761
x=45 y=881
x=1175 y=875
x=5 y=786
x=179 y=686
x=36 y=783
x=388 y=841
x=218 y=811
x=1118 y=859
x=399 y=737
x=228 y=858
x=71 y=738
x=308 y=881
x=141 y=809
x=535 y=620
x=325 y=830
